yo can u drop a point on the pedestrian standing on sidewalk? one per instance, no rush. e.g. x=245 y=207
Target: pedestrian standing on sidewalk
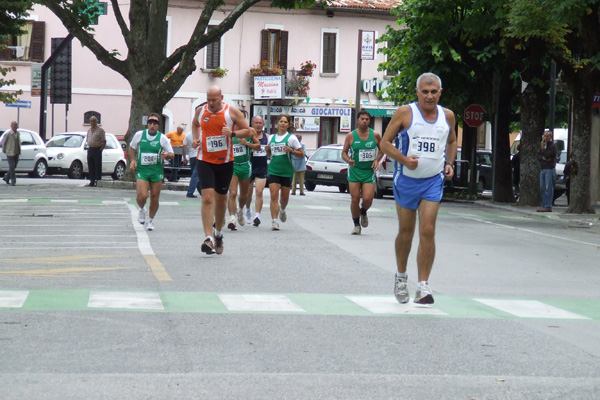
x=147 y=150
x=299 y=169
x=280 y=171
x=422 y=140
x=547 y=158
x=176 y=138
x=11 y=146
x=96 y=140
x=361 y=152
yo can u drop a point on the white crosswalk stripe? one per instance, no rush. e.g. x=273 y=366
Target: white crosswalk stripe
x=13 y=298
x=530 y=309
x=257 y=302
x=146 y=301
x=389 y=305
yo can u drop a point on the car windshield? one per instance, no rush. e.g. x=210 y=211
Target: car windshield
x=327 y=155
x=65 y=141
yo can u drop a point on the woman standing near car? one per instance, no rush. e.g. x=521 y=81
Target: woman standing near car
x=280 y=172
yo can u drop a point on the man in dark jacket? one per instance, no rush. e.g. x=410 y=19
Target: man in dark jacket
x=547 y=159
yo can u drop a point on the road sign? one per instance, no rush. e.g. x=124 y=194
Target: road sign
x=20 y=104
x=474 y=115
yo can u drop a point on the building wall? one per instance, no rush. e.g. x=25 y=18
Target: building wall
x=98 y=88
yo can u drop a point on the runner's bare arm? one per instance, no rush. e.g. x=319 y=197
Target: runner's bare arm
x=400 y=121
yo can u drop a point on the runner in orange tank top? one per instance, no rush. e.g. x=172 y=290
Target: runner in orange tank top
x=212 y=130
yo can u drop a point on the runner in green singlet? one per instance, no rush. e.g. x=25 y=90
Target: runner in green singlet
x=147 y=150
x=242 y=170
x=361 y=152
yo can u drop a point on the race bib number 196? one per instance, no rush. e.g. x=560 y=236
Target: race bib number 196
x=216 y=143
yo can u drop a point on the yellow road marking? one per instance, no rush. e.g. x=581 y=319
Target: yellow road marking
x=56 y=271
x=57 y=259
x=159 y=271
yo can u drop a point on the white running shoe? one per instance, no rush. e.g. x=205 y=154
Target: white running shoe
x=282 y=215
x=401 y=290
x=275 y=226
x=356 y=230
x=248 y=216
x=424 y=294
x=364 y=220
x=231 y=225
x=240 y=217
x=142 y=216
x=150 y=225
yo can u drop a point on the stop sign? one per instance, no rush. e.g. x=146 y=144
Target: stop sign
x=474 y=115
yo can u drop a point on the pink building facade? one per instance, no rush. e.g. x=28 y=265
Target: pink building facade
x=324 y=114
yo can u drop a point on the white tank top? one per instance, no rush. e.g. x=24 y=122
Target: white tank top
x=427 y=140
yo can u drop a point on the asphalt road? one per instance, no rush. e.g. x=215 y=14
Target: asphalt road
x=92 y=306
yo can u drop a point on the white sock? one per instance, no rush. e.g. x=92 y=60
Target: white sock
x=401 y=275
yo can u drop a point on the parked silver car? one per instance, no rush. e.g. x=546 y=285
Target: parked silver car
x=33 y=158
x=384 y=178
x=327 y=167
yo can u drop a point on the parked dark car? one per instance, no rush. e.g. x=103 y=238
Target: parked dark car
x=484 y=169
x=326 y=167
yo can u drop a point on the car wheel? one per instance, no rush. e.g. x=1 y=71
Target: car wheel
x=309 y=186
x=119 y=173
x=343 y=188
x=41 y=169
x=76 y=170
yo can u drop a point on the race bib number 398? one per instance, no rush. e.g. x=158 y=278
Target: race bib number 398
x=216 y=143
x=426 y=148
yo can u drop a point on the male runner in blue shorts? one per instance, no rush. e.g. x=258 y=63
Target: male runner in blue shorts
x=422 y=140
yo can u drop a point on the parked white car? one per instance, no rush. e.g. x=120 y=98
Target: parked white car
x=67 y=154
x=33 y=158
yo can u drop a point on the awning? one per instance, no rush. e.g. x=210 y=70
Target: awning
x=381 y=112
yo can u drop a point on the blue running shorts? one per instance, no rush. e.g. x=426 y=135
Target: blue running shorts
x=409 y=192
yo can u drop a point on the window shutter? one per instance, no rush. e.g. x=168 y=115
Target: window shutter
x=283 y=50
x=213 y=54
x=38 y=35
x=264 y=45
x=329 y=52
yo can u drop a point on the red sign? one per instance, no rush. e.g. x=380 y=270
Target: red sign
x=474 y=115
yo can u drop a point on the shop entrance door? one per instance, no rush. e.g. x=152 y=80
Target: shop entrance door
x=328 y=131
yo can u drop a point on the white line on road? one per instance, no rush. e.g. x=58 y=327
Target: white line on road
x=13 y=298
x=257 y=302
x=146 y=301
x=530 y=309
x=389 y=305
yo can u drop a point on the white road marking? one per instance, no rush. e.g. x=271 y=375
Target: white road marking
x=146 y=301
x=530 y=309
x=13 y=298
x=140 y=231
x=318 y=208
x=470 y=216
x=258 y=302
x=389 y=305
x=63 y=201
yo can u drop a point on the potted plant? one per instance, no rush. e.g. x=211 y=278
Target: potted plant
x=298 y=86
x=306 y=68
x=218 y=72
x=263 y=69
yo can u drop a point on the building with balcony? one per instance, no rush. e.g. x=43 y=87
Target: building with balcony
x=322 y=104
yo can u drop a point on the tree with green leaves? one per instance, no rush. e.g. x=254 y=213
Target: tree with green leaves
x=462 y=43
x=153 y=76
x=12 y=13
x=570 y=33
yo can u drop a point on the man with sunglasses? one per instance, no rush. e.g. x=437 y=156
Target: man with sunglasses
x=147 y=150
x=422 y=140
x=214 y=126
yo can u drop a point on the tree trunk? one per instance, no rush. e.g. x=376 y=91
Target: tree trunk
x=580 y=146
x=143 y=102
x=533 y=117
x=503 y=192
